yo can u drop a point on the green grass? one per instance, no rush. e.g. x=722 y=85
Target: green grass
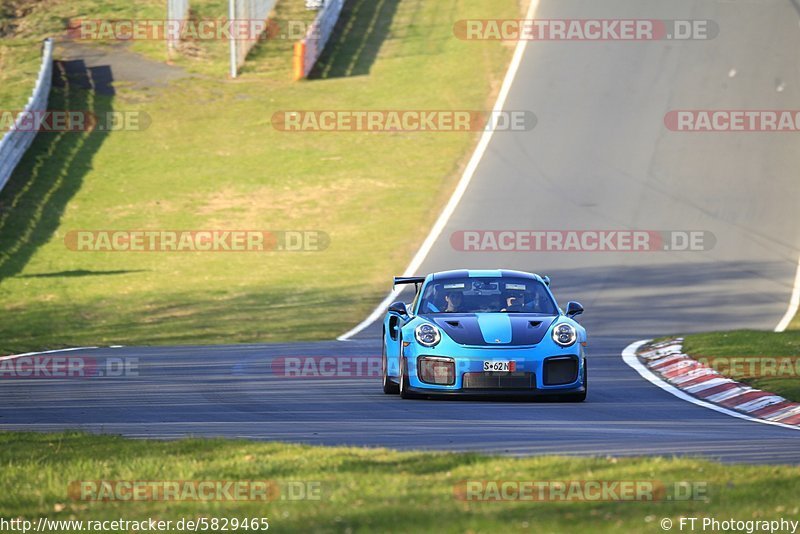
x=51 y=18
x=25 y=23
x=20 y=57
x=19 y=67
x=211 y=159
x=375 y=490
x=734 y=352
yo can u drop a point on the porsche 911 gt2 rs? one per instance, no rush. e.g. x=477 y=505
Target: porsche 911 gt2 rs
x=475 y=333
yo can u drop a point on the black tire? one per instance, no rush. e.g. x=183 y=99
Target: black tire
x=389 y=387
x=579 y=397
x=404 y=392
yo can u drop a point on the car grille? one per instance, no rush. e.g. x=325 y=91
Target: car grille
x=560 y=370
x=495 y=380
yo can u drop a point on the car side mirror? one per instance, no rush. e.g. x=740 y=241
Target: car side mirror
x=574 y=309
x=399 y=308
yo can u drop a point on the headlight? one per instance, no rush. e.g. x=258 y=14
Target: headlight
x=427 y=335
x=565 y=334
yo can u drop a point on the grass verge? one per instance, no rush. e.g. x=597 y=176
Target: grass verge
x=377 y=490
x=764 y=360
x=19 y=68
x=211 y=160
x=20 y=57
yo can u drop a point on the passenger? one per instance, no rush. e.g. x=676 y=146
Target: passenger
x=515 y=302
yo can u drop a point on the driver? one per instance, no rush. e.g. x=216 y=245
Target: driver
x=453 y=300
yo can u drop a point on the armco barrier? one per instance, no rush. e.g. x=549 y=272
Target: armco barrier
x=307 y=51
x=16 y=141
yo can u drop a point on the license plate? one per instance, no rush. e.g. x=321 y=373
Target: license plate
x=500 y=365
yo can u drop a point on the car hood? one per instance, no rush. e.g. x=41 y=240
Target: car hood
x=493 y=329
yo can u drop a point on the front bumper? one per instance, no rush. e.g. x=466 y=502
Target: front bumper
x=538 y=373
x=486 y=393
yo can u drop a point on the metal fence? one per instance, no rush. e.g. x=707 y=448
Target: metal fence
x=17 y=140
x=176 y=10
x=307 y=51
x=245 y=10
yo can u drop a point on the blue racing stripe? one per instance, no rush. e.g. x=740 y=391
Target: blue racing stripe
x=495 y=327
x=485 y=274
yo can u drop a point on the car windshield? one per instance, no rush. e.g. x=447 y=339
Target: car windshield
x=487 y=295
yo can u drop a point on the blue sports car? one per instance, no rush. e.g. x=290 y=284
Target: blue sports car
x=474 y=333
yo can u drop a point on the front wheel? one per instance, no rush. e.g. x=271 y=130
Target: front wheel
x=579 y=397
x=389 y=387
x=404 y=392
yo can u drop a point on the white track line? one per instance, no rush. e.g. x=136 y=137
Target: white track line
x=44 y=352
x=629 y=357
x=461 y=188
x=794 y=303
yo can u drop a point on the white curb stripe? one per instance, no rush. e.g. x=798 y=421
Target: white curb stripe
x=790 y=412
x=708 y=384
x=759 y=403
x=777 y=414
x=692 y=376
x=668 y=343
x=687 y=365
x=729 y=387
x=730 y=394
x=668 y=361
x=655 y=354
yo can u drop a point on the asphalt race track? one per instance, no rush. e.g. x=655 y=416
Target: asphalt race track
x=600 y=158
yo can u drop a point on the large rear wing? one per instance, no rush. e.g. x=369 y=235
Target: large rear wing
x=403 y=280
